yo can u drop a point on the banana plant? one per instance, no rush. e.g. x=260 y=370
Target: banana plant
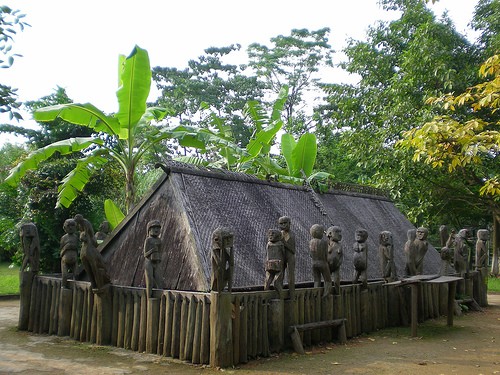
x=129 y=130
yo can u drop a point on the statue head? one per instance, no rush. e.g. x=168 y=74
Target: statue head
x=222 y=238
x=334 y=233
x=28 y=230
x=411 y=234
x=361 y=235
x=284 y=223
x=422 y=233
x=385 y=238
x=483 y=234
x=274 y=235
x=69 y=226
x=317 y=231
x=154 y=228
x=464 y=233
x=105 y=227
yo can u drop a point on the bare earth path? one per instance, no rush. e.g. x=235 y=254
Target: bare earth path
x=470 y=347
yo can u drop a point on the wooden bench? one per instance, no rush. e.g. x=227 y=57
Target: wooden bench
x=295 y=329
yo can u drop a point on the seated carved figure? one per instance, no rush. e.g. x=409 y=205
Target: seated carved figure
x=483 y=235
x=360 y=258
x=409 y=250
x=318 y=247
x=30 y=243
x=274 y=261
x=386 y=256
x=222 y=260
x=421 y=247
x=335 y=254
x=69 y=251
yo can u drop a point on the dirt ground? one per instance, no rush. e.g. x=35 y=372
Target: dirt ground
x=469 y=347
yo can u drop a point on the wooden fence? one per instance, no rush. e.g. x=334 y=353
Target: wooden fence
x=178 y=324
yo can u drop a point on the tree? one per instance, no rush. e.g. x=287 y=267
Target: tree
x=209 y=82
x=11 y=21
x=292 y=61
x=123 y=137
x=469 y=142
x=401 y=63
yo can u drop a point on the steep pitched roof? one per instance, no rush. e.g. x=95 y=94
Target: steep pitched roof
x=191 y=203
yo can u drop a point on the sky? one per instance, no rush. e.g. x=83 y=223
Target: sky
x=76 y=44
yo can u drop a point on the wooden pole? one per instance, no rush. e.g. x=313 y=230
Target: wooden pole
x=65 y=308
x=25 y=284
x=275 y=328
x=221 y=337
x=103 y=301
x=414 y=308
x=452 y=287
x=152 y=325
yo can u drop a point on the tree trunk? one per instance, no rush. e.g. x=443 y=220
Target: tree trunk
x=129 y=191
x=495 y=239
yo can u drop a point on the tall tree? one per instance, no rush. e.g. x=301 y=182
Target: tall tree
x=293 y=60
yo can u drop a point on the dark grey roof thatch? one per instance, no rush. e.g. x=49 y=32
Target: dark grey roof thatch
x=192 y=203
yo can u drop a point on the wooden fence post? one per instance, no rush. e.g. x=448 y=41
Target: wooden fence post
x=221 y=336
x=25 y=283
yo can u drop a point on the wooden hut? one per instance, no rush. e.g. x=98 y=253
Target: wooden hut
x=191 y=203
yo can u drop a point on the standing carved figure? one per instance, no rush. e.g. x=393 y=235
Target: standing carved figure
x=30 y=243
x=421 y=247
x=461 y=256
x=386 y=256
x=318 y=247
x=69 y=251
x=443 y=235
x=483 y=235
x=222 y=260
x=103 y=231
x=274 y=261
x=410 y=252
x=335 y=255
x=152 y=256
x=91 y=258
x=360 y=258
x=446 y=260
x=288 y=238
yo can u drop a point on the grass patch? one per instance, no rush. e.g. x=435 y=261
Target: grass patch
x=494 y=284
x=9 y=279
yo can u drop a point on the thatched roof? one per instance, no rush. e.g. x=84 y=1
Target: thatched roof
x=191 y=203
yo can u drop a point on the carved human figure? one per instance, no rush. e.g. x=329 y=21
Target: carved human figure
x=93 y=262
x=222 y=260
x=483 y=235
x=450 y=243
x=68 y=246
x=410 y=252
x=360 y=258
x=421 y=247
x=461 y=256
x=30 y=243
x=288 y=238
x=318 y=247
x=152 y=257
x=335 y=255
x=274 y=260
x=103 y=231
x=386 y=256
x=443 y=235
x=446 y=260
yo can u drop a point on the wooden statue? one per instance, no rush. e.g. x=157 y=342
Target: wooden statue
x=360 y=258
x=69 y=251
x=152 y=257
x=30 y=243
x=288 y=239
x=335 y=255
x=222 y=260
x=103 y=232
x=446 y=261
x=483 y=235
x=410 y=252
x=274 y=261
x=318 y=246
x=421 y=247
x=461 y=256
x=443 y=235
x=386 y=256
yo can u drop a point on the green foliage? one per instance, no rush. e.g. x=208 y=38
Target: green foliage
x=9 y=279
x=113 y=213
x=493 y=285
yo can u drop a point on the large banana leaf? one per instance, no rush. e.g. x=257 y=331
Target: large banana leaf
x=288 y=144
x=304 y=155
x=279 y=104
x=80 y=114
x=75 y=181
x=262 y=140
x=65 y=147
x=257 y=113
x=113 y=213
x=135 y=83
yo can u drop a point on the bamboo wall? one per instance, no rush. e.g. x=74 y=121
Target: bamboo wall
x=177 y=324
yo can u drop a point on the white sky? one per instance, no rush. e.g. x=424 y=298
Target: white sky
x=75 y=44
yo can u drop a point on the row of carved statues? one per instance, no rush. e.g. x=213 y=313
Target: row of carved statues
x=325 y=247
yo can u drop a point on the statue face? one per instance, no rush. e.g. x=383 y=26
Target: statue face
x=385 y=238
x=154 y=231
x=422 y=233
x=334 y=234
x=361 y=235
x=284 y=224
x=28 y=230
x=317 y=231
x=70 y=226
x=483 y=234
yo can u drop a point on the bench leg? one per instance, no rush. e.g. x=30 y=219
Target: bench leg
x=296 y=341
x=342 y=334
